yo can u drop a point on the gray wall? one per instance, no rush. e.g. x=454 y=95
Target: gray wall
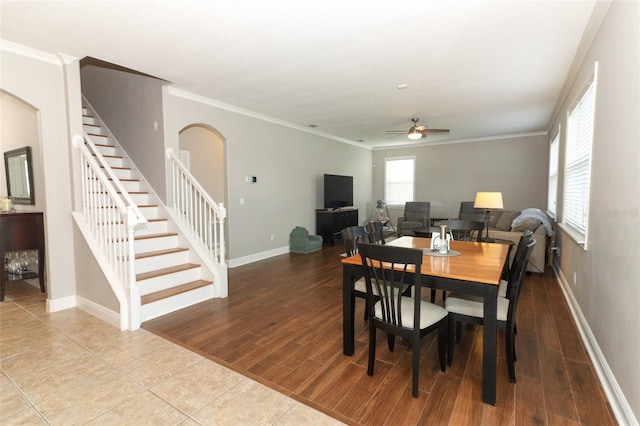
x=289 y=164
x=607 y=288
x=130 y=104
x=450 y=173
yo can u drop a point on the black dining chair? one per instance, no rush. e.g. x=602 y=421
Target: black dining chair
x=375 y=232
x=464 y=230
x=386 y=269
x=470 y=309
x=351 y=237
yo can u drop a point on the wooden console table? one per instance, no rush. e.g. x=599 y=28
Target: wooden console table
x=329 y=223
x=21 y=232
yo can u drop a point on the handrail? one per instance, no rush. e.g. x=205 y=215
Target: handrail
x=105 y=211
x=193 y=205
x=115 y=181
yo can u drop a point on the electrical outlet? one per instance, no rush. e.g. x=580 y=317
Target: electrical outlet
x=273 y=237
x=575 y=278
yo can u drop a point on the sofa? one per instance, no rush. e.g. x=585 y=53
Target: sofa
x=510 y=224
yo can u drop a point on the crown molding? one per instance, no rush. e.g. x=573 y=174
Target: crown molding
x=231 y=108
x=467 y=140
x=29 y=52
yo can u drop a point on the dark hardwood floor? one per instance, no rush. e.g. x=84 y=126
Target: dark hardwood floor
x=282 y=326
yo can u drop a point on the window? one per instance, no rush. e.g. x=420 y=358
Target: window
x=578 y=160
x=553 y=175
x=398 y=180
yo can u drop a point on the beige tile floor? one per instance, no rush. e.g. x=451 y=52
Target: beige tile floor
x=71 y=368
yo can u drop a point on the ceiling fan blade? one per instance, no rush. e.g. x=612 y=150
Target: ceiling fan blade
x=435 y=130
x=399 y=135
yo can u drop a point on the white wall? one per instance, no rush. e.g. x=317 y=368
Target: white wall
x=607 y=289
x=39 y=80
x=450 y=173
x=207 y=159
x=289 y=165
x=19 y=127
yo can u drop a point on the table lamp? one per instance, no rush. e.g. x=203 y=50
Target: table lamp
x=488 y=201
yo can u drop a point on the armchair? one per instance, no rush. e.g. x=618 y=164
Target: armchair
x=301 y=242
x=417 y=214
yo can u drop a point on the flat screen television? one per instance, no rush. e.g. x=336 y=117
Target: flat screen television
x=338 y=191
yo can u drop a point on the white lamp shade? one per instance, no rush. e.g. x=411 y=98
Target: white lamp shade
x=488 y=200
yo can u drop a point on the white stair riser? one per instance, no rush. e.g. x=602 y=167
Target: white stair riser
x=172 y=304
x=124 y=173
x=164 y=282
x=164 y=261
x=140 y=199
x=89 y=120
x=151 y=244
x=115 y=162
x=155 y=227
x=94 y=129
x=107 y=150
x=150 y=212
x=131 y=185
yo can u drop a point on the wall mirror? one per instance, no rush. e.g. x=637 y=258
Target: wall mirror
x=19 y=171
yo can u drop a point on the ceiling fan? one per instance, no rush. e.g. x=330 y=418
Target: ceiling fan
x=415 y=132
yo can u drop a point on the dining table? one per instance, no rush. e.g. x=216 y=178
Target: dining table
x=473 y=268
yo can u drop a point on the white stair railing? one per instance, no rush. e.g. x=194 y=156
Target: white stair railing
x=111 y=218
x=200 y=214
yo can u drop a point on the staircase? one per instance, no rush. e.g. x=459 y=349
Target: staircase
x=170 y=272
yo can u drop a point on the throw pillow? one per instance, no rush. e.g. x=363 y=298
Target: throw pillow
x=530 y=224
x=494 y=216
x=507 y=216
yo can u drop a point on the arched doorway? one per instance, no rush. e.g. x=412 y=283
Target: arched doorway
x=202 y=149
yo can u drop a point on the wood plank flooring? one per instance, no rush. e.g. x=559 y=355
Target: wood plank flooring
x=282 y=326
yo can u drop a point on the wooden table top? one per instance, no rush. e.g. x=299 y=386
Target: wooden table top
x=478 y=262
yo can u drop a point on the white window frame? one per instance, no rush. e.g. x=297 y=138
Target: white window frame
x=552 y=189
x=388 y=193
x=577 y=162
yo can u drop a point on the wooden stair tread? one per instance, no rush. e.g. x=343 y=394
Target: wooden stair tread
x=166 y=271
x=146 y=237
x=160 y=252
x=163 y=294
x=95 y=134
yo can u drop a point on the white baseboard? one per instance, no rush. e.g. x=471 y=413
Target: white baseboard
x=617 y=400
x=99 y=311
x=57 y=305
x=245 y=260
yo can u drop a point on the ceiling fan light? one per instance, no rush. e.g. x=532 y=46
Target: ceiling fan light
x=414 y=134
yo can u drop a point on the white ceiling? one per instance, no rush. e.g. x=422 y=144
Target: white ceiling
x=479 y=68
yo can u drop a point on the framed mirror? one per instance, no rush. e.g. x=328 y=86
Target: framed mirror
x=19 y=171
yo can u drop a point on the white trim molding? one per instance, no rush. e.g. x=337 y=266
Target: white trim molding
x=619 y=404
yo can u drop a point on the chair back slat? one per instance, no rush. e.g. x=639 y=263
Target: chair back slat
x=388 y=270
x=351 y=236
x=375 y=232
x=520 y=268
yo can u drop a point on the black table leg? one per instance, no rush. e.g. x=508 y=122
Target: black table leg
x=348 y=302
x=489 y=349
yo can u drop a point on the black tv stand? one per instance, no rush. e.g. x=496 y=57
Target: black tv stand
x=329 y=222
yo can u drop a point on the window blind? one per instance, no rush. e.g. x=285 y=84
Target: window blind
x=578 y=159
x=399 y=180
x=552 y=192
